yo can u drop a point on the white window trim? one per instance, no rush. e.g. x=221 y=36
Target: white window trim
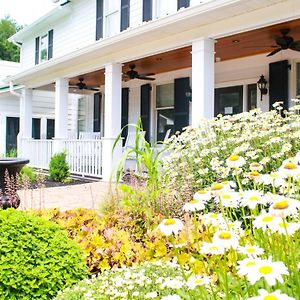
x=293 y=80
x=154 y=9
x=40 y=47
x=118 y=11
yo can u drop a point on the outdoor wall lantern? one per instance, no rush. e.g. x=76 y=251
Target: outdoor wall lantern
x=188 y=94
x=262 y=85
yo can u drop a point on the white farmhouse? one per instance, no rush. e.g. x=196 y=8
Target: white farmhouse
x=104 y=63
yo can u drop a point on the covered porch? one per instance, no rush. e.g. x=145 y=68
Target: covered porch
x=200 y=80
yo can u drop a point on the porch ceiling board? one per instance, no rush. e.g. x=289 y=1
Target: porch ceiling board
x=213 y=19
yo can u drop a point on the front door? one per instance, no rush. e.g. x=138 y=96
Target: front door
x=12 y=130
x=229 y=100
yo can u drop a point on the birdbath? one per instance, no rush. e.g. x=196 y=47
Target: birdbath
x=9 y=169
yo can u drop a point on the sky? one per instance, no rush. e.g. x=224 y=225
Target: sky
x=25 y=11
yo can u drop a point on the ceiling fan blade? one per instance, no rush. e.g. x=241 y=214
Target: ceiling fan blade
x=147 y=74
x=261 y=46
x=93 y=89
x=145 y=77
x=274 y=52
x=295 y=46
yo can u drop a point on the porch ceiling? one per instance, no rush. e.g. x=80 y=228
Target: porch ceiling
x=231 y=47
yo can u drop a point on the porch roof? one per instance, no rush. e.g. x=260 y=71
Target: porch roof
x=210 y=19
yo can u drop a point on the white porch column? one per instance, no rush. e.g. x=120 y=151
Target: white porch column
x=2 y=134
x=112 y=119
x=61 y=113
x=203 y=80
x=25 y=132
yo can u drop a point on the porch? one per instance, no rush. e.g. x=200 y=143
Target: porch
x=182 y=86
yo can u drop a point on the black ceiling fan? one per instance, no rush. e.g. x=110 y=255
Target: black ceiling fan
x=80 y=85
x=133 y=74
x=285 y=42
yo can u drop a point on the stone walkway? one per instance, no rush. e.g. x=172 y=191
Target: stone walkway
x=89 y=195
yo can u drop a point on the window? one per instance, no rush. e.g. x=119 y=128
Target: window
x=44 y=47
x=112 y=17
x=298 y=80
x=36 y=128
x=50 y=128
x=229 y=100
x=164 y=109
x=252 y=96
x=81 y=115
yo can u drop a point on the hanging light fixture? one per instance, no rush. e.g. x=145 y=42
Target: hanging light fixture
x=262 y=85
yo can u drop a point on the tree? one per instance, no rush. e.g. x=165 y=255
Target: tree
x=8 y=51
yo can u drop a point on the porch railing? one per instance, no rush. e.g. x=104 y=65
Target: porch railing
x=39 y=152
x=84 y=157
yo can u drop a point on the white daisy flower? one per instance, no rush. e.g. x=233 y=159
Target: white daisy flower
x=246 y=265
x=197 y=280
x=213 y=219
x=151 y=295
x=255 y=166
x=289 y=168
x=273 y=179
x=226 y=238
x=235 y=161
x=211 y=248
x=171 y=297
x=270 y=271
x=265 y=220
x=169 y=226
x=265 y=295
x=284 y=207
x=284 y=227
x=230 y=199
x=194 y=205
x=251 y=198
x=251 y=250
x=202 y=195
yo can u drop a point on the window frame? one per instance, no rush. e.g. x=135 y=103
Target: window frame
x=106 y=14
x=46 y=36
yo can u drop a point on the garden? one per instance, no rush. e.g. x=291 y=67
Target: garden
x=215 y=218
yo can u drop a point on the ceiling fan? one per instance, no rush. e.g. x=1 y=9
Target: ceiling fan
x=133 y=74
x=80 y=85
x=285 y=42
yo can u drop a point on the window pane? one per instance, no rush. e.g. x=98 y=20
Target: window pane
x=165 y=95
x=165 y=121
x=112 y=6
x=44 y=47
x=298 y=79
x=252 y=96
x=81 y=114
x=164 y=7
x=112 y=24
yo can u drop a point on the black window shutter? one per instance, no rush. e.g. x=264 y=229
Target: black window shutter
x=147 y=10
x=181 y=103
x=97 y=112
x=182 y=3
x=37 y=50
x=124 y=116
x=278 y=82
x=50 y=44
x=145 y=109
x=99 y=19
x=125 y=14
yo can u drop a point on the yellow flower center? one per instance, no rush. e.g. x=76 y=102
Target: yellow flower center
x=250 y=250
x=194 y=201
x=217 y=186
x=290 y=166
x=225 y=235
x=281 y=204
x=267 y=219
x=233 y=157
x=202 y=192
x=255 y=165
x=225 y=182
x=213 y=216
x=270 y=297
x=253 y=198
x=169 y=222
x=273 y=175
x=250 y=264
x=254 y=173
x=283 y=225
x=213 y=248
x=226 y=196
x=265 y=270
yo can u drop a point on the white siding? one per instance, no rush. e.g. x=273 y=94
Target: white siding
x=8 y=68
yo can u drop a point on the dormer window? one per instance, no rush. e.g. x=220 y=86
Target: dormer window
x=44 y=47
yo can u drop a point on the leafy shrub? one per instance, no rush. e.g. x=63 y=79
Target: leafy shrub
x=59 y=168
x=12 y=153
x=36 y=257
x=110 y=241
x=27 y=173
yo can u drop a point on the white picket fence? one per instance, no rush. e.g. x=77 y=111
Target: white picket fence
x=83 y=156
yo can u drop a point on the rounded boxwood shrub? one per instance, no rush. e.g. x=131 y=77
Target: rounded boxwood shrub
x=37 y=259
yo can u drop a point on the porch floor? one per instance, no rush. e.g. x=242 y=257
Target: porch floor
x=89 y=195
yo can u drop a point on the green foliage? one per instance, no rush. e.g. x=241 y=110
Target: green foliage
x=27 y=173
x=110 y=241
x=59 y=168
x=36 y=257
x=12 y=153
x=8 y=51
